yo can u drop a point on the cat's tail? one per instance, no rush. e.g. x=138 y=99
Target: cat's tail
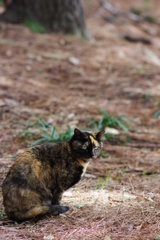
x=37 y=211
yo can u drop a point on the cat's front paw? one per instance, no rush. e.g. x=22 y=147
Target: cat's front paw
x=58 y=209
x=65 y=209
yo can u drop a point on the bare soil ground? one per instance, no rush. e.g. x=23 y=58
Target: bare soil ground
x=36 y=76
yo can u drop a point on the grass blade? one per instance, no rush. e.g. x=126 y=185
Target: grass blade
x=156 y=114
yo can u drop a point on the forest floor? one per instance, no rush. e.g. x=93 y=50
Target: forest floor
x=119 y=197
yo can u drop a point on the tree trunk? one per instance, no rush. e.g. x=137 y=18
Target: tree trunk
x=57 y=15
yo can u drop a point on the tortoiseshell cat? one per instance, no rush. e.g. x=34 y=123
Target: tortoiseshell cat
x=36 y=181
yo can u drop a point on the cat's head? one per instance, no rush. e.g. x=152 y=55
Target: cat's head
x=87 y=145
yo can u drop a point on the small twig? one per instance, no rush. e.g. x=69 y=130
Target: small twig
x=109 y=7
x=114 y=11
x=143 y=146
x=132 y=38
x=142 y=140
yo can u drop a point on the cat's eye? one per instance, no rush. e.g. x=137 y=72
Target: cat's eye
x=84 y=147
x=96 y=148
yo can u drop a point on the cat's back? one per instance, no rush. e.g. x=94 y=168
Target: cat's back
x=34 y=162
x=47 y=151
x=24 y=166
x=36 y=156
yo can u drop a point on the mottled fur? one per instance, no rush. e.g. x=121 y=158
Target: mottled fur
x=36 y=181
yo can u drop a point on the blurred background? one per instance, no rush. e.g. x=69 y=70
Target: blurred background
x=87 y=64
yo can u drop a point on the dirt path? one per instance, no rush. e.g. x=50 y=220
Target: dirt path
x=37 y=76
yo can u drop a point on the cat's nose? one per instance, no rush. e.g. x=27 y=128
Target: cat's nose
x=92 y=154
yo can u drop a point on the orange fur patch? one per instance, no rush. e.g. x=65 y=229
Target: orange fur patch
x=84 y=164
x=93 y=141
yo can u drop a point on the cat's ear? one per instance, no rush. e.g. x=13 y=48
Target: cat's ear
x=99 y=135
x=77 y=133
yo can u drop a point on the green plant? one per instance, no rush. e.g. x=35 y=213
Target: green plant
x=100 y=183
x=136 y=11
x=108 y=136
x=144 y=174
x=146 y=96
x=105 y=180
x=79 y=205
x=149 y=19
x=119 y=122
x=103 y=154
x=1 y=214
x=9 y=156
x=1 y=3
x=41 y=70
x=146 y=4
x=128 y=139
x=4 y=148
x=34 y=26
x=124 y=170
x=156 y=114
x=157 y=236
x=44 y=132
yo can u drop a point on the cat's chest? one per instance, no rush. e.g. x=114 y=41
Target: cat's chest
x=84 y=165
x=74 y=175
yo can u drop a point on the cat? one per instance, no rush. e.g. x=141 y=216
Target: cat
x=36 y=181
